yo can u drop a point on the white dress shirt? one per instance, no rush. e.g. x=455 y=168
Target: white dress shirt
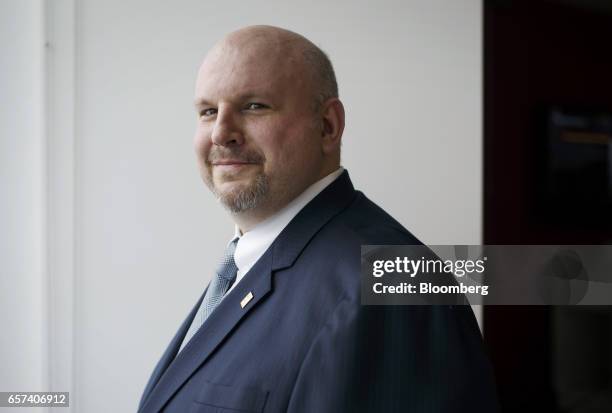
x=254 y=243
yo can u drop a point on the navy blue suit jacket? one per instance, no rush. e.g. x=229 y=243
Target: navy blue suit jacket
x=304 y=343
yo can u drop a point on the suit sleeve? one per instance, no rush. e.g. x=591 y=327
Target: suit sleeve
x=417 y=359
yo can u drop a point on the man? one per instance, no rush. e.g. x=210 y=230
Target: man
x=280 y=328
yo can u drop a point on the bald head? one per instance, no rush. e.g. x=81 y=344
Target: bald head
x=288 y=50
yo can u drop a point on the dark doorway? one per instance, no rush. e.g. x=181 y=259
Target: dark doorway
x=547 y=180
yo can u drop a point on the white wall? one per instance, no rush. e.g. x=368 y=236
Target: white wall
x=146 y=232
x=23 y=315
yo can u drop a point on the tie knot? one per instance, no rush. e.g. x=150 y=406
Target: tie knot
x=227 y=268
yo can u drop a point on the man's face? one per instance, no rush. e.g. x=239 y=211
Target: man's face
x=257 y=139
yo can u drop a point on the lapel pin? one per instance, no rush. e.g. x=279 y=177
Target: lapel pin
x=246 y=299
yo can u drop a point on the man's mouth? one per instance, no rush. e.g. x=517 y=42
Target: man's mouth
x=229 y=162
x=231 y=165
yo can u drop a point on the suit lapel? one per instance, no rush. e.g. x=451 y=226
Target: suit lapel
x=329 y=203
x=258 y=281
x=218 y=325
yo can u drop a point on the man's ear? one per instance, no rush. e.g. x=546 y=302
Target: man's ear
x=332 y=114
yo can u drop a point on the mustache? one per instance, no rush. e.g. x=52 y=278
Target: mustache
x=243 y=155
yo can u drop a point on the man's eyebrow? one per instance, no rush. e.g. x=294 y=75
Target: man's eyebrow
x=199 y=102
x=254 y=95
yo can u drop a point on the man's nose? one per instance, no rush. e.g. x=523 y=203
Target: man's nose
x=226 y=130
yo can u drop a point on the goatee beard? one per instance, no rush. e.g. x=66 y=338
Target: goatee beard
x=243 y=199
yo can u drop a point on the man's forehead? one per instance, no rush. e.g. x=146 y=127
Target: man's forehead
x=222 y=59
x=238 y=78
x=258 y=51
x=236 y=71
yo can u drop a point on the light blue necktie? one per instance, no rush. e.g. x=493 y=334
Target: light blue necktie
x=221 y=282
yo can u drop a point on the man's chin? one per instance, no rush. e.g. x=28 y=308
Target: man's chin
x=243 y=195
x=228 y=187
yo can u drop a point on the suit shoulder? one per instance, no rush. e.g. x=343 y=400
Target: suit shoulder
x=368 y=223
x=332 y=257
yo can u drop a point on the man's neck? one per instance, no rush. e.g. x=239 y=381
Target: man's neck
x=247 y=220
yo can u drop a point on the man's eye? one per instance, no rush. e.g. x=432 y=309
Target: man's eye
x=254 y=105
x=208 y=112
